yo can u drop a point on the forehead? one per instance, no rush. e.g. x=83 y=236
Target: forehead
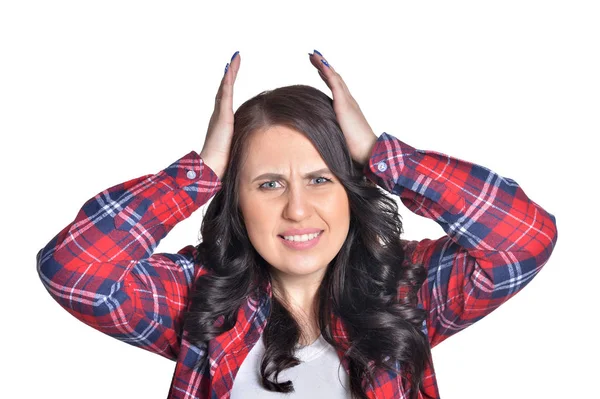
x=279 y=147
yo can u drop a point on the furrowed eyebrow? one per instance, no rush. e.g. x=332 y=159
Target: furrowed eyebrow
x=276 y=176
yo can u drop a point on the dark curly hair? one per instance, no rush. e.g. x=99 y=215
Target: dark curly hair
x=361 y=284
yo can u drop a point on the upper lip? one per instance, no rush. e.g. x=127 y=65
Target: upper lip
x=297 y=232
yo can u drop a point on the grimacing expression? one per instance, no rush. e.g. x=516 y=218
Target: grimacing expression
x=270 y=206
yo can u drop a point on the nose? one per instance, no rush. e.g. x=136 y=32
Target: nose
x=298 y=206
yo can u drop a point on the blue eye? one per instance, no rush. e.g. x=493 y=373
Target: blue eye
x=262 y=186
x=326 y=179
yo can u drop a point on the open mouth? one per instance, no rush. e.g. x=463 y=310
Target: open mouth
x=301 y=244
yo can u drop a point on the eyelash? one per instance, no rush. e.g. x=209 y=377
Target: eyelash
x=272 y=188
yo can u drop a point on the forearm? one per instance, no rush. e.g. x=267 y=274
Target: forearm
x=122 y=225
x=478 y=208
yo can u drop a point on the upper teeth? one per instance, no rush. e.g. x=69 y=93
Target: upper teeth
x=303 y=237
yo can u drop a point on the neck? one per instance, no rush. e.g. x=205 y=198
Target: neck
x=299 y=292
x=300 y=299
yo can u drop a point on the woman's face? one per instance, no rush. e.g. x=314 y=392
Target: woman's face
x=271 y=205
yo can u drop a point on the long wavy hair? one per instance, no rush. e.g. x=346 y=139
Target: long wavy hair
x=361 y=283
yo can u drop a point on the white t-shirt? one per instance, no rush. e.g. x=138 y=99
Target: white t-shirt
x=319 y=375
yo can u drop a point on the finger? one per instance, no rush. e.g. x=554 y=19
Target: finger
x=227 y=88
x=332 y=79
x=224 y=98
x=235 y=66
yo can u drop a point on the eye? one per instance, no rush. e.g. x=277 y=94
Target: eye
x=326 y=179
x=262 y=186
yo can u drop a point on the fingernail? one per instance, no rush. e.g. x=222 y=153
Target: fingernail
x=226 y=68
x=234 y=54
x=318 y=53
x=325 y=62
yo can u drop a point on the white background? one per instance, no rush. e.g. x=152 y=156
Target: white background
x=96 y=93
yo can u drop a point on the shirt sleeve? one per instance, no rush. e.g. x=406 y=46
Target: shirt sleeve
x=101 y=266
x=497 y=239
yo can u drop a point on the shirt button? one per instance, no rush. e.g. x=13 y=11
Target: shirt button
x=191 y=174
x=382 y=166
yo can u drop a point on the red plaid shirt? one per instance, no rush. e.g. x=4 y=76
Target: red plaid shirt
x=101 y=267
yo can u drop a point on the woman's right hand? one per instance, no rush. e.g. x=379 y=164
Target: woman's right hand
x=215 y=152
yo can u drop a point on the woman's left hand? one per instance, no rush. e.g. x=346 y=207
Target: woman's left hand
x=359 y=135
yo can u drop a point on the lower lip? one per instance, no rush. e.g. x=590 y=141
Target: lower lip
x=301 y=244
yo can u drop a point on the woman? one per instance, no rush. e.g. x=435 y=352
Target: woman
x=301 y=274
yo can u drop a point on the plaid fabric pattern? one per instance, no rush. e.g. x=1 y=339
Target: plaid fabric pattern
x=103 y=270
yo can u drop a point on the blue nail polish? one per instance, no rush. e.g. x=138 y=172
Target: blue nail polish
x=226 y=68
x=318 y=53
x=324 y=62
x=234 y=54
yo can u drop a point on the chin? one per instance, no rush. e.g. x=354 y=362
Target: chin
x=298 y=269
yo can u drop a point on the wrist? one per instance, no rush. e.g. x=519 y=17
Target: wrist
x=368 y=150
x=213 y=165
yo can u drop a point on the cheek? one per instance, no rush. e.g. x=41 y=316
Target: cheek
x=339 y=209
x=258 y=218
